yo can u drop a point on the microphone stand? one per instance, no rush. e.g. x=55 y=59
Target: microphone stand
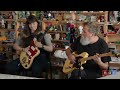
x=79 y=69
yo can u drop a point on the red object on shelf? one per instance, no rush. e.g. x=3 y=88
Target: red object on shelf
x=104 y=72
x=71 y=25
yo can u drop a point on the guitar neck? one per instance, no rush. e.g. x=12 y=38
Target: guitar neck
x=41 y=37
x=100 y=55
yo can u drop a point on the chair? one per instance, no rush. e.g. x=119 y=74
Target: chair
x=48 y=71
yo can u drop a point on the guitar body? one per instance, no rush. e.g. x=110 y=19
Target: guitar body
x=69 y=67
x=26 y=59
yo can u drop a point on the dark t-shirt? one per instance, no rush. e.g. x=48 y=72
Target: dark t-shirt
x=91 y=68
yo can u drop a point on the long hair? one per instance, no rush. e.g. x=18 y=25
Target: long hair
x=29 y=20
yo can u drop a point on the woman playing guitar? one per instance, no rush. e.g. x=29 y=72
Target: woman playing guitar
x=37 y=50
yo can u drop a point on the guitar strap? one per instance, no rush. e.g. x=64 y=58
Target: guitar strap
x=39 y=37
x=28 y=40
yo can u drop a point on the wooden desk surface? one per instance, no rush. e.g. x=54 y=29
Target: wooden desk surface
x=8 y=76
x=114 y=64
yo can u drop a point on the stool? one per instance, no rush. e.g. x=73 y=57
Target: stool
x=48 y=71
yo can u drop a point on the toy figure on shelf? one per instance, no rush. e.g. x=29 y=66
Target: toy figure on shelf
x=23 y=14
x=3 y=38
x=72 y=33
x=101 y=29
x=10 y=16
x=80 y=29
x=37 y=14
x=27 y=13
x=64 y=36
x=115 y=15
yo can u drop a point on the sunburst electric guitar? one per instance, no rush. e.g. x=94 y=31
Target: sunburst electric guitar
x=83 y=57
x=26 y=59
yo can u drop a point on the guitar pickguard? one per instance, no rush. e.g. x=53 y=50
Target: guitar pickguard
x=26 y=59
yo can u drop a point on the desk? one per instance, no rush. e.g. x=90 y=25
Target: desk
x=116 y=76
x=114 y=64
x=8 y=76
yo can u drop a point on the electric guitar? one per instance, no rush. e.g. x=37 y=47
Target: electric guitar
x=26 y=59
x=68 y=67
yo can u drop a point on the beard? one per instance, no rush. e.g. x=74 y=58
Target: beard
x=84 y=40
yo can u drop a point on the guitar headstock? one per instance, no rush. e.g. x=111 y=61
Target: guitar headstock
x=48 y=27
x=116 y=54
x=84 y=54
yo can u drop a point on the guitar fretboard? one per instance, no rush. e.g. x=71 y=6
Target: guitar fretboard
x=100 y=55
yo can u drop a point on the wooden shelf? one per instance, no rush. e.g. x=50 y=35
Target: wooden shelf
x=50 y=21
x=102 y=13
x=114 y=64
x=19 y=20
x=60 y=41
x=116 y=24
x=22 y=20
x=57 y=32
x=59 y=12
x=113 y=44
x=113 y=34
x=92 y=13
x=9 y=20
x=60 y=49
x=4 y=29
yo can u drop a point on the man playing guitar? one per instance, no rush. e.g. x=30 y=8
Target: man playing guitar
x=89 y=42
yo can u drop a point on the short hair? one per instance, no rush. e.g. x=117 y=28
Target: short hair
x=93 y=27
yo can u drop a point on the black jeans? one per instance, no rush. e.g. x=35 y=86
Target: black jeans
x=84 y=74
x=78 y=74
x=39 y=65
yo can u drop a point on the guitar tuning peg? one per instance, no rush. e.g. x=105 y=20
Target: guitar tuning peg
x=118 y=55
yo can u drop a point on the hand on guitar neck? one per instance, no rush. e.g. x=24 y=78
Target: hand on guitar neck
x=96 y=58
x=37 y=44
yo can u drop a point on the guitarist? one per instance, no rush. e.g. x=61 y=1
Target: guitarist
x=89 y=42
x=33 y=29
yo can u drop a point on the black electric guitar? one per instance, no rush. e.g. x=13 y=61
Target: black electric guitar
x=83 y=57
x=26 y=59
